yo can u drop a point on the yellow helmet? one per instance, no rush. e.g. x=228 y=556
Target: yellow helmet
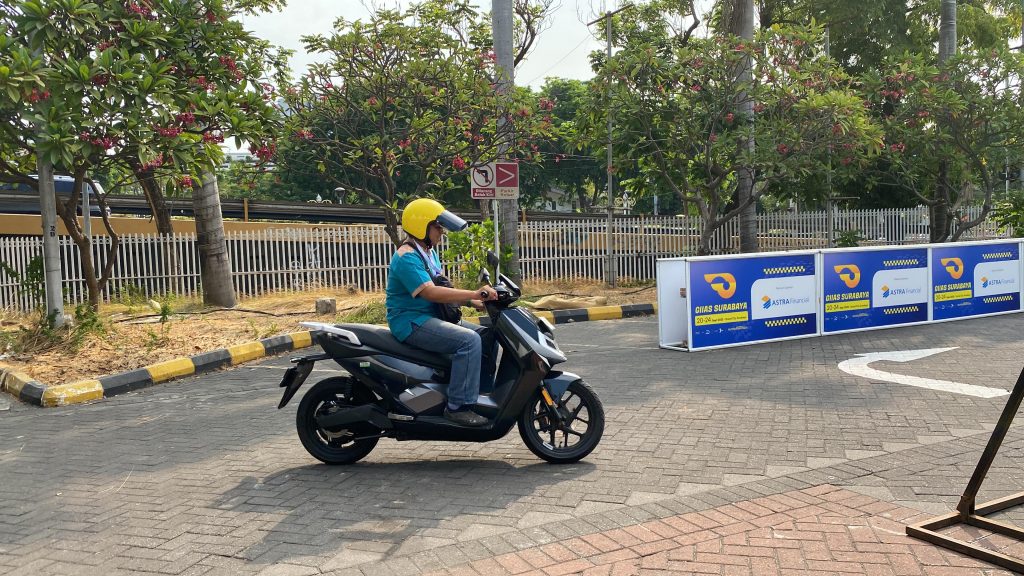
x=419 y=213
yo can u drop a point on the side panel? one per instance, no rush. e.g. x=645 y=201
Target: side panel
x=673 y=320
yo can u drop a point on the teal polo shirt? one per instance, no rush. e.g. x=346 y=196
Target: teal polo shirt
x=406 y=273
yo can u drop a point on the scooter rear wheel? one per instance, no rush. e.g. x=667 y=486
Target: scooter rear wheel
x=575 y=436
x=333 y=447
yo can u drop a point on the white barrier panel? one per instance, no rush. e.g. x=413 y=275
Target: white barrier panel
x=673 y=319
x=746 y=299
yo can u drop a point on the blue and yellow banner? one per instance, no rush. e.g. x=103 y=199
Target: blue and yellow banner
x=753 y=299
x=973 y=280
x=874 y=288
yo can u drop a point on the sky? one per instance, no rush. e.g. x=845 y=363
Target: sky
x=560 y=50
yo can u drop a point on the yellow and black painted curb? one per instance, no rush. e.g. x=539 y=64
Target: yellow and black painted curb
x=33 y=392
x=584 y=314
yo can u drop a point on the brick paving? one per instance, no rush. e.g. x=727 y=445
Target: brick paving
x=819 y=530
x=205 y=476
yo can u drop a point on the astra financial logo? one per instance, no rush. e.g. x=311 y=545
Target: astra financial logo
x=849 y=274
x=954 y=266
x=767 y=301
x=887 y=291
x=724 y=284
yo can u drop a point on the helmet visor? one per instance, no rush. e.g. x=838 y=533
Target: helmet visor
x=451 y=222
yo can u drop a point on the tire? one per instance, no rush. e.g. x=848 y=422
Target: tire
x=581 y=404
x=333 y=447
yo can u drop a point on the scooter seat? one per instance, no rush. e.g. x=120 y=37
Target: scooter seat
x=380 y=338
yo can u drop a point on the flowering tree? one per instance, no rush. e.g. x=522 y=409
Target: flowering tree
x=677 y=103
x=958 y=120
x=405 y=106
x=151 y=85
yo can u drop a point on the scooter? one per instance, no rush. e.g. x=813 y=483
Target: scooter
x=391 y=390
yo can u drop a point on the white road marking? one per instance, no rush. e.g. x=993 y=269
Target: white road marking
x=859 y=367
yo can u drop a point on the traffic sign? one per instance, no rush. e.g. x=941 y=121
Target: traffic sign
x=506 y=180
x=481 y=181
x=495 y=181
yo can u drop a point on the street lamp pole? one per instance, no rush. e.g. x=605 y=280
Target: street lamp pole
x=611 y=272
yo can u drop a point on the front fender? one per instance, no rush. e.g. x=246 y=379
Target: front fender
x=558 y=382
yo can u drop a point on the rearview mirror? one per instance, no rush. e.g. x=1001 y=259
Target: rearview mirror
x=484 y=277
x=492 y=259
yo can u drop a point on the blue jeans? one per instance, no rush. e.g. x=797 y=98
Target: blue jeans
x=463 y=342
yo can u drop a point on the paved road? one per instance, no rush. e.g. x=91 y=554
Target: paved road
x=203 y=475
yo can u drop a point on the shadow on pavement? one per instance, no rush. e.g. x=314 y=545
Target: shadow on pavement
x=372 y=510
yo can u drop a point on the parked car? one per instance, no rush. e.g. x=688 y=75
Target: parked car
x=62 y=184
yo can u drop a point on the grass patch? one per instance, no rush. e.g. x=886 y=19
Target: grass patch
x=370 y=312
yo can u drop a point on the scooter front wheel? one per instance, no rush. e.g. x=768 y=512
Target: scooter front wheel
x=333 y=447
x=573 y=434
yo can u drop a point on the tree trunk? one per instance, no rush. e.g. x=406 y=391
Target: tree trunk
x=939 y=212
x=391 y=226
x=947 y=30
x=742 y=24
x=214 y=264
x=508 y=210
x=162 y=217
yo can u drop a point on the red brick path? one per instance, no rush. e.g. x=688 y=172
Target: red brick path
x=820 y=530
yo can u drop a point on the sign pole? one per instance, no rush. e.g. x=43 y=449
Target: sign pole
x=497 y=240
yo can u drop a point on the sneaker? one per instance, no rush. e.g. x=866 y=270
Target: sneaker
x=466 y=417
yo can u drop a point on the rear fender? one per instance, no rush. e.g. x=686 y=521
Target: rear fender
x=296 y=375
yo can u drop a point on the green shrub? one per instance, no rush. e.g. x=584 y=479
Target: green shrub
x=848 y=239
x=1010 y=212
x=467 y=253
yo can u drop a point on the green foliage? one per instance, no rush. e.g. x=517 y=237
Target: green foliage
x=1010 y=213
x=32 y=283
x=681 y=123
x=373 y=312
x=165 y=311
x=404 y=106
x=131 y=295
x=149 y=88
x=42 y=335
x=467 y=254
x=948 y=128
x=848 y=238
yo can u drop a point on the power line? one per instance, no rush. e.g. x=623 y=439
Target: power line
x=562 y=59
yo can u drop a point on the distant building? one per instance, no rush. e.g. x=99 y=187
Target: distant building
x=239 y=156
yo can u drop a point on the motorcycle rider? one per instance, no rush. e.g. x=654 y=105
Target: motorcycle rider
x=412 y=316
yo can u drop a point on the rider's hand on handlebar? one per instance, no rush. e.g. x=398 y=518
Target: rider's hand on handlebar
x=487 y=293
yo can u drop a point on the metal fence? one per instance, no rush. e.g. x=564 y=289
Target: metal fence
x=297 y=259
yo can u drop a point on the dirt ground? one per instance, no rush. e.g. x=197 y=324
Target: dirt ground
x=132 y=335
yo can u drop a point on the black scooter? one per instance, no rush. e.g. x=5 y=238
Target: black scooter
x=397 y=391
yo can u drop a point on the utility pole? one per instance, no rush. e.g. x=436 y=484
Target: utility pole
x=505 y=210
x=51 y=246
x=611 y=262
x=830 y=216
